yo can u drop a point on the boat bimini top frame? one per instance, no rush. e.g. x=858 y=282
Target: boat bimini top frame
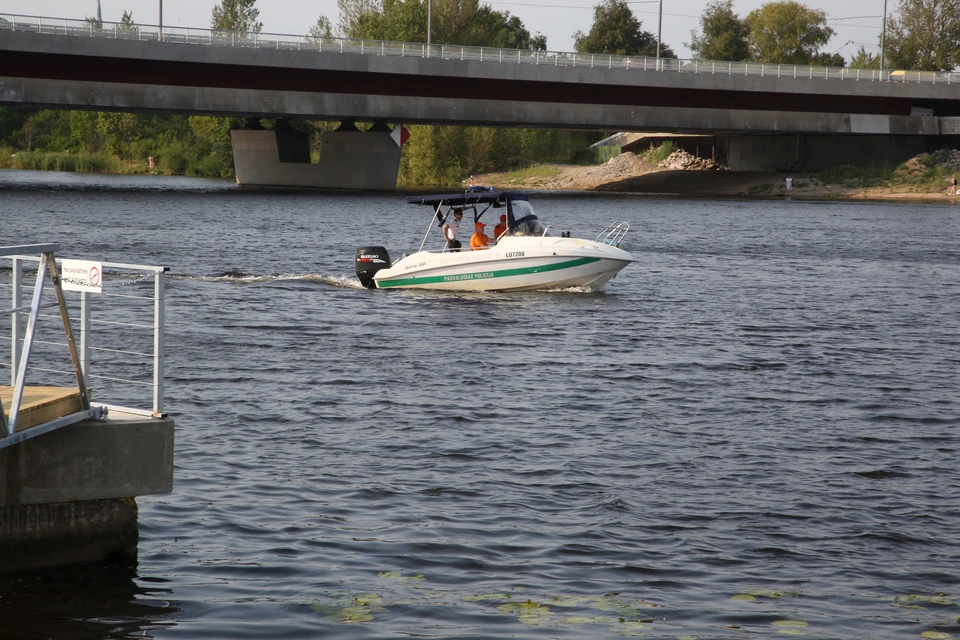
x=444 y=205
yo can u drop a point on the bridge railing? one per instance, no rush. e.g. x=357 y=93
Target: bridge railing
x=210 y=37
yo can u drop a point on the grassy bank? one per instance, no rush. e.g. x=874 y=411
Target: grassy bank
x=175 y=161
x=62 y=161
x=926 y=172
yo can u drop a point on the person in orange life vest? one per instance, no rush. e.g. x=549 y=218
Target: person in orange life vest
x=479 y=239
x=500 y=228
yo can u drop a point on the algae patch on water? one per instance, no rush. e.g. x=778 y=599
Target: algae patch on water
x=916 y=601
x=790 y=627
x=529 y=612
x=487 y=597
x=628 y=628
x=751 y=595
x=396 y=575
x=360 y=608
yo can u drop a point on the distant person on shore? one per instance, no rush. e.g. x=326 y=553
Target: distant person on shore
x=953 y=185
x=479 y=240
x=152 y=163
x=451 y=231
x=500 y=228
x=789 y=184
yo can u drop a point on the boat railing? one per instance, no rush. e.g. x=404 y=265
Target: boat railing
x=613 y=235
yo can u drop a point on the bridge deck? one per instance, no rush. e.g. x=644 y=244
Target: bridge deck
x=42 y=404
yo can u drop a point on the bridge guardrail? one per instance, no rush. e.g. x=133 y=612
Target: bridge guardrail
x=210 y=37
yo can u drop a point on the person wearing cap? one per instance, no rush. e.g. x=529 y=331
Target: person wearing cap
x=501 y=227
x=479 y=239
x=451 y=231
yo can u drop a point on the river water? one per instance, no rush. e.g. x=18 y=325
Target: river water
x=751 y=432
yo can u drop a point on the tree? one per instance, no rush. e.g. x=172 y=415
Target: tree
x=461 y=22
x=400 y=20
x=828 y=60
x=352 y=11
x=924 y=35
x=724 y=34
x=864 y=60
x=787 y=32
x=236 y=15
x=500 y=29
x=617 y=31
x=127 y=25
x=322 y=29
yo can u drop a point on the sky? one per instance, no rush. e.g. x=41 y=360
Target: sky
x=856 y=22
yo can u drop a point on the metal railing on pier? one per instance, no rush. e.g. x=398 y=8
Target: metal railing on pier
x=119 y=309
x=210 y=37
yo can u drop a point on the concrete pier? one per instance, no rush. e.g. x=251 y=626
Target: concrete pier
x=67 y=496
x=349 y=159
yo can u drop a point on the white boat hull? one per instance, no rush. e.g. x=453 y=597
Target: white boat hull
x=515 y=264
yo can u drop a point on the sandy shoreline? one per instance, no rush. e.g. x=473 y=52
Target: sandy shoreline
x=636 y=176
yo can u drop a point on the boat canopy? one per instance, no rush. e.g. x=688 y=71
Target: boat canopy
x=495 y=198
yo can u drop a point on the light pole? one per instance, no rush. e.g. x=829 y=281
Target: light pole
x=430 y=23
x=660 y=28
x=160 y=19
x=883 y=36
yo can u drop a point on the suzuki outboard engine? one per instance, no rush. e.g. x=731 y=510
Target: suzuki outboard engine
x=369 y=261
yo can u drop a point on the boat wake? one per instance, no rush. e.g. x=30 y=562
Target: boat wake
x=238 y=277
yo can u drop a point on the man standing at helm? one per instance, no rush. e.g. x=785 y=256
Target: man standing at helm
x=451 y=231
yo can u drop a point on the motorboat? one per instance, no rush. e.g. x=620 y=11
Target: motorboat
x=524 y=257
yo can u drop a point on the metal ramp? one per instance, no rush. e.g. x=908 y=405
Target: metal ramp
x=37 y=410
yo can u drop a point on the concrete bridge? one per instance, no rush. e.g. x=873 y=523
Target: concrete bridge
x=768 y=115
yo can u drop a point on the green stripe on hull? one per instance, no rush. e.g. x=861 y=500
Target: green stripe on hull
x=485 y=275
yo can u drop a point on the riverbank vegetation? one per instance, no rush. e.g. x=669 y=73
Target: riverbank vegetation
x=926 y=172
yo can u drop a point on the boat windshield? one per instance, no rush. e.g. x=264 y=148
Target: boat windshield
x=525 y=222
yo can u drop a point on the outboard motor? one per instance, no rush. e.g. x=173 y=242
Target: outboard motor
x=369 y=261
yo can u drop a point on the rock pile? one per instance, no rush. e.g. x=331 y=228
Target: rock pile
x=949 y=158
x=684 y=161
x=624 y=165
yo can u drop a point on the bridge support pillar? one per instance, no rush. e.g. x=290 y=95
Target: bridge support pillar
x=349 y=159
x=818 y=152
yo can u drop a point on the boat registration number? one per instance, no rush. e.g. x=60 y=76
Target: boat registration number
x=515 y=254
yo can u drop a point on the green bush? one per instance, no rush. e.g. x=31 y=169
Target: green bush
x=659 y=153
x=174 y=158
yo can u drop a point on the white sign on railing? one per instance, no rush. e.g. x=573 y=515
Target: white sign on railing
x=81 y=275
